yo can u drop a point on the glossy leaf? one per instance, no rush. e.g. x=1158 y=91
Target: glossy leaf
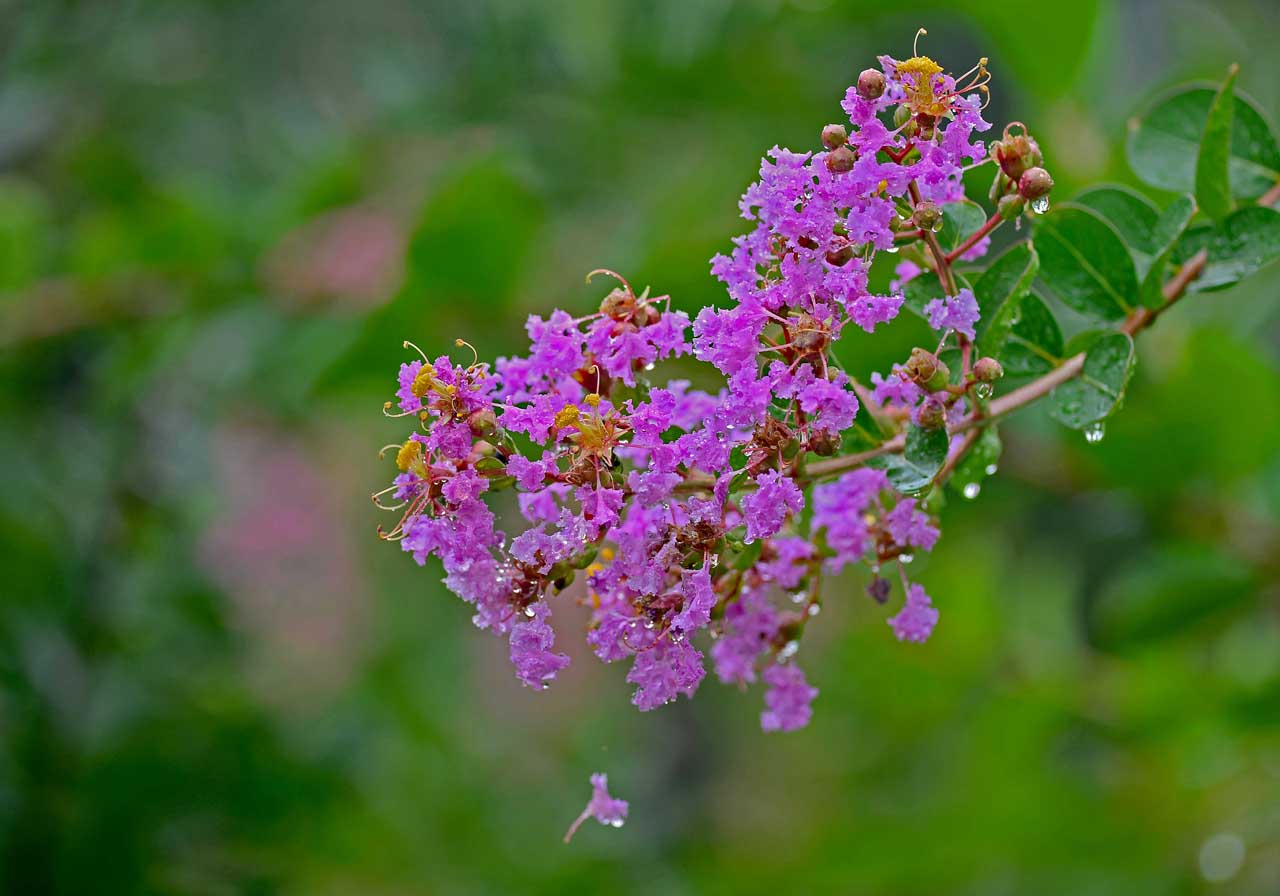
x=1164 y=146
x=1169 y=228
x=1095 y=393
x=959 y=220
x=1034 y=346
x=1000 y=291
x=1131 y=214
x=1238 y=246
x=1085 y=262
x=912 y=471
x=1213 y=188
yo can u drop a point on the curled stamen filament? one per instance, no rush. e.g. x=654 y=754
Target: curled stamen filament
x=615 y=275
x=408 y=344
x=475 y=355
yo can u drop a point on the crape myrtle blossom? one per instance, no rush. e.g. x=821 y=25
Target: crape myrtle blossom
x=691 y=521
x=602 y=807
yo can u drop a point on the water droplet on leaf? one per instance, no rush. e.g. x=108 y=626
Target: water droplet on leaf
x=982 y=390
x=1094 y=432
x=1040 y=205
x=971 y=490
x=991 y=469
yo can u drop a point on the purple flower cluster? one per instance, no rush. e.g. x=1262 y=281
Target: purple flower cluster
x=684 y=517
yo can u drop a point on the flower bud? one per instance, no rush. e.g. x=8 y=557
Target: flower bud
x=879 y=589
x=932 y=413
x=834 y=136
x=987 y=370
x=823 y=443
x=618 y=303
x=921 y=365
x=1015 y=154
x=927 y=216
x=483 y=423
x=901 y=115
x=1034 y=183
x=840 y=160
x=1011 y=206
x=871 y=84
x=841 y=256
x=941 y=378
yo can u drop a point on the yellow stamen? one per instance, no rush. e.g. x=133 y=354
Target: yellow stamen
x=422 y=382
x=408 y=454
x=593 y=399
x=921 y=66
x=567 y=416
x=606 y=553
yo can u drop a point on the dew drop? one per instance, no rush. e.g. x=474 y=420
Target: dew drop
x=650 y=366
x=971 y=490
x=648 y=623
x=982 y=390
x=814 y=609
x=530 y=611
x=1094 y=432
x=789 y=650
x=991 y=469
x=937 y=225
x=799 y=597
x=615 y=822
x=1040 y=205
x=892 y=250
x=906 y=558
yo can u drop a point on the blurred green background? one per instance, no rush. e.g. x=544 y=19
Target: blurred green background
x=218 y=220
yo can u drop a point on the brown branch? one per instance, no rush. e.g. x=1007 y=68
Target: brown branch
x=972 y=240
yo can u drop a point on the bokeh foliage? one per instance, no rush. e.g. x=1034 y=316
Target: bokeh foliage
x=217 y=223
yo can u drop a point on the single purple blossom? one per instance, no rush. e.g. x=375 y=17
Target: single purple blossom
x=787 y=700
x=602 y=807
x=959 y=312
x=916 y=619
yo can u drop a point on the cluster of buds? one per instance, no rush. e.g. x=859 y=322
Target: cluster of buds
x=1021 y=179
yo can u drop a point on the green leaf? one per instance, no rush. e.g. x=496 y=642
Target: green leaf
x=982 y=457
x=1238 y=246
x=1034 y=346
x=1166 y=593
x=959 y=219
x=912 y=471
x=1095 y=393
x=1085 y=262
x=1169 y=228
x=1164 y=146
x=1000 y=291
x=749 y=555
x=1213 y=187
x=1130 y=213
